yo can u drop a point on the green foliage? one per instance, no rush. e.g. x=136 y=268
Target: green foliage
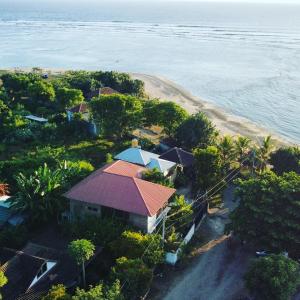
x=208 y=167
x=81 y=250
x=99 y=231
x=181 y=214
x=169 y=115
x=57 y=292
x=242 y=147
x=273 y=278
x=3 y=279
x=263 y=153
x=135 y=274
x=197 y=131
x=109 y=158
x=68 y=98
x=173 y=240
x=227 y=152
x=116 y=114
x=156 y=176
x=121 y=82
x=286 y=160
x=41 y=93
x=133 y=245
x=269 y=212
x=39 y=194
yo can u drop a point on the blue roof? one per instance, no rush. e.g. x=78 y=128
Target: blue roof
x=145 y=158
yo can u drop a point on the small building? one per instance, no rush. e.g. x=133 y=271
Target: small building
x=101 y=91
x=147 y=159
x=36 y=119
x=179 y=156
x=7 y=216
x=117 y=189
x=34 y=270
x=80 y=108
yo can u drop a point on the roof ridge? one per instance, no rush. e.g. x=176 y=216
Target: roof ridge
x=141 y=194
x=178 y=154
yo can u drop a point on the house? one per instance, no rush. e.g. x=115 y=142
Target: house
x=101 y=91
x=32 y=271
x=80 y=108
x=147 y=159
x=179 y=156
x=84 y=110
x=117 y=189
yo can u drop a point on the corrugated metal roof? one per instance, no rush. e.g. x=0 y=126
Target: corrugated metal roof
x=118 y=186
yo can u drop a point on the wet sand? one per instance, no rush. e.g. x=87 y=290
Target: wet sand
x=164 y=89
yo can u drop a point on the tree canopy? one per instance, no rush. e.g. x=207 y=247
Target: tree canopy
x=116 y=114
x=196 y=131
x=275 y=277
x=286 y=160
x=269 y=212
x=208 y=167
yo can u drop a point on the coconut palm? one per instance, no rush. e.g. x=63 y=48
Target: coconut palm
x=264 y=152
x=227 y=152
x=242 y=147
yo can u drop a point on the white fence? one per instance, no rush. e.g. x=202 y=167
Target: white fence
x=171 y=258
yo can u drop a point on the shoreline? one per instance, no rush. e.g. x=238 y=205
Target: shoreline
x=162 y=88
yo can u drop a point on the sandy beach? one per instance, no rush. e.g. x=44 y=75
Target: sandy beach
x=164 y=89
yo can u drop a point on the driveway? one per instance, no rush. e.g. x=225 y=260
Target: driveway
x=218 y=272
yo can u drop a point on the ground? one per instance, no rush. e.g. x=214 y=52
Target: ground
x=217 y=269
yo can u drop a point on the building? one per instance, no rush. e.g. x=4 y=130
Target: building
x=147 y=159
x=117 y=189
x=179 y=156
x=101 y=91
x=32 y=271
x=80 y=108
x=36 y=119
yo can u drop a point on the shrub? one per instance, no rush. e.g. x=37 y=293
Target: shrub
x=135 y=276
x=14 y=237
x=133 y=244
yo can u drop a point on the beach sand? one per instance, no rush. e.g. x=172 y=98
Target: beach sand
x=226 y=123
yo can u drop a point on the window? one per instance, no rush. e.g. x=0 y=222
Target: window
x=93 y=209
x=42 y=270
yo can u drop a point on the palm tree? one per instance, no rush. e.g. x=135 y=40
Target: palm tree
x=263 y=153
x=39 y=194
x=242 y=147
x=227 y=151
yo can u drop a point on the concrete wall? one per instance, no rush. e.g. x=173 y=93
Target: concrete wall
x=80 y=209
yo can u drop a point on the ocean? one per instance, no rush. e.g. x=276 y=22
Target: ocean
x=244 y=58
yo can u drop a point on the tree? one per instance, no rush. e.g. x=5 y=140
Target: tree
x=42 y=94
x=196 y=131
x=135 y=276
x=275 y=277
x=3 y=281
x=68 y=98
x=269 y=212
x=57 y=292
x=181 y=213
x=208 y=167
x=81 y=250
x=286 y=160
x=116 y=114
x=227 y=152
x=156 y=176
x=170 y=115
x=135 y=244
x=6 y=119
x=242 y=147
x=39 y=194
x=263 y=153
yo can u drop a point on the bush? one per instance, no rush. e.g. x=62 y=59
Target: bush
x=133 y=244
x=135 y=276
x=99 y=231
x=273 y=278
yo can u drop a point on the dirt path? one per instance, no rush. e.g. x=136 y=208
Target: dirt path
x=218 y=272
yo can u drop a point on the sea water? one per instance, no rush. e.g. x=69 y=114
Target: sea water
x=244 y=58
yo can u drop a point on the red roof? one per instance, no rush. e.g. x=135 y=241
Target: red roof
x=81 y=108
x=107 y=91
x=118 y=186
